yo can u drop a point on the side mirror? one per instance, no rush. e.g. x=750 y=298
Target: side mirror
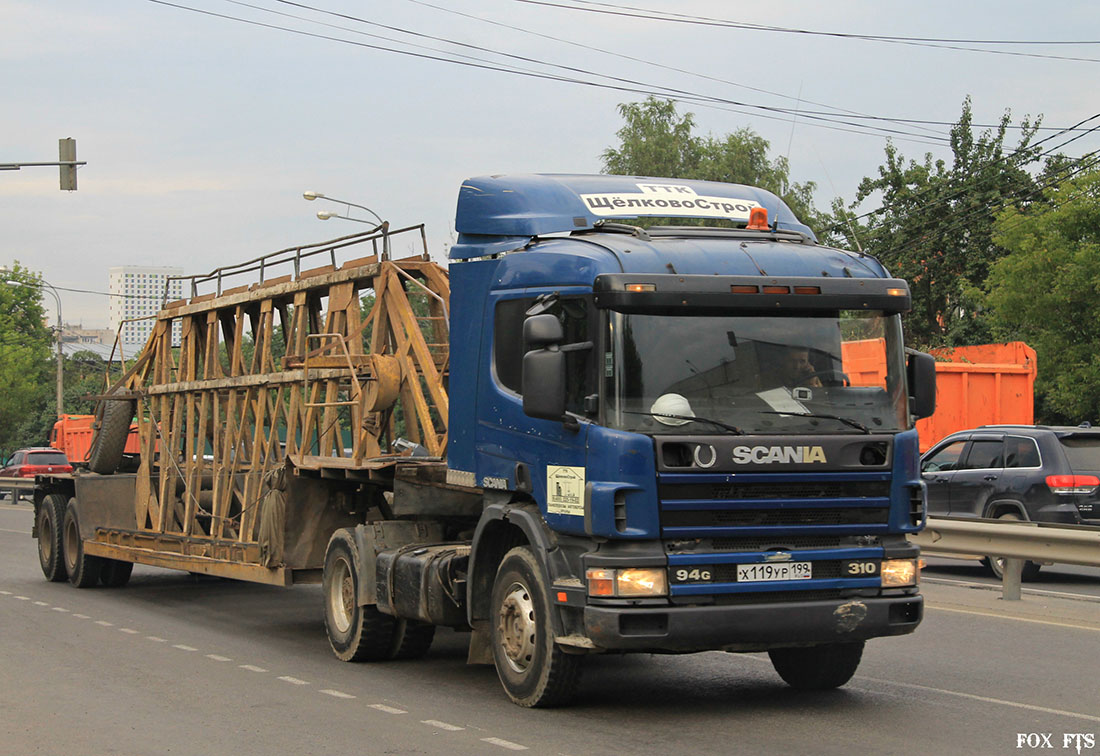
x=921 y=370
x=543 y=378
x=541 y=331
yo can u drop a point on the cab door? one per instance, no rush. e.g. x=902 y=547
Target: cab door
x=938 y=470
x=978 y=477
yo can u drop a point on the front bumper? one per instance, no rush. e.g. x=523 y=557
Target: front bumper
x=684 y=629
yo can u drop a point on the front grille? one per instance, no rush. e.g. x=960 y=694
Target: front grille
x=781 y=543
x=701 y=518
x=853 y=489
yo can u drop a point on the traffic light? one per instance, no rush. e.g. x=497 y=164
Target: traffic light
x=66 y=153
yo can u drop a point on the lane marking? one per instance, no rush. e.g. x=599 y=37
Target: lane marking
x=59 y=609
x=5 y=593
x=41 y=603
x=985 y=699
x=182 y=647
x=505 y=744
x=441 y=725
x=217 y=658
x=337 y=694
x=293 y=680
x=81 y=616
x=1025 y=591
x=128 y=631
x=388 y=709
x=252 y=668
x=105 y=623
x=23 y=598
x=155 y=639
x=20 y=532
x=1015 y=619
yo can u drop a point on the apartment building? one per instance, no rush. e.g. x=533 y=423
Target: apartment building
x=137 y=293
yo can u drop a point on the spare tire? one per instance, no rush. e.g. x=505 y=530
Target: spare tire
x=113 y=417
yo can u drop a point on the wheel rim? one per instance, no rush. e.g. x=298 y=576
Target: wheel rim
x=72 y=543
x=45 y=536
x=341 y=595
x=516 y=627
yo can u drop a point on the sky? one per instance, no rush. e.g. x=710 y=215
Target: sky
x=201 y=132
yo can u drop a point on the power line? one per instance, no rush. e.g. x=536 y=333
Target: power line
x=943 y=44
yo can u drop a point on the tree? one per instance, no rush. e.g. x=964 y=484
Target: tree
x=935 y=228
x=1044 y=291
x=657 y=141
x=25 y=365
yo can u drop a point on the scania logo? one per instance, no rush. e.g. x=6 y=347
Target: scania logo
x=766 y=455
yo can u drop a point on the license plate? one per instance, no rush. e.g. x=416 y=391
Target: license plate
x=761 y=573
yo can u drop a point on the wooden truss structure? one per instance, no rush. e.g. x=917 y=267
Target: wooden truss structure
x=335 y=371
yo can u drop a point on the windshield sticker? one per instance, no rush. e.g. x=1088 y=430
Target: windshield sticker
x=668 y=200
x=565 y=490
x=780 y=400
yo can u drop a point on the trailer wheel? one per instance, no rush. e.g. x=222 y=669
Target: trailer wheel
x=113 y=417
x=534 y=671
x=51 y=516
x=83 y=569
x=115 y=573
x=412 y=639
x=355 y=633
x=817 y=667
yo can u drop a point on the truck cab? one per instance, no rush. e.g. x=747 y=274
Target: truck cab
x=706 y=430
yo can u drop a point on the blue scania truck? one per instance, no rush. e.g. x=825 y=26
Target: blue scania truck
x=676 y=423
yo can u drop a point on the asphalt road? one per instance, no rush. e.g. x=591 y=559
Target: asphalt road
x=175 y=665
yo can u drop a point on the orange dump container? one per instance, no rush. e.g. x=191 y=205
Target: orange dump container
x=73 y=434
x=988 y=384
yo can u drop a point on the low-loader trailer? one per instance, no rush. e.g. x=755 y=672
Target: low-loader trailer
x=584 y=435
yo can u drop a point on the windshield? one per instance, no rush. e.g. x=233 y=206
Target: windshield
x=757 y=374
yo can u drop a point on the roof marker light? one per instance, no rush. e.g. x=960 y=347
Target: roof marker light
x=641 y=287
x=743 y=289
x=807 y=290
x=758 y=219
x=777 y=289
x=897 y=292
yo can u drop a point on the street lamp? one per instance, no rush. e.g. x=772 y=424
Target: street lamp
x=60 y=357
x=326 y=214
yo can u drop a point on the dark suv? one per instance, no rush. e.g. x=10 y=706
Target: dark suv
x=1018 y=472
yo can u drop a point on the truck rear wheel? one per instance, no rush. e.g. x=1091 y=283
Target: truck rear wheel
x=51 y=516
x=817 y=667
x=115 y=573
x=83 y=569
x=355 y=633
x=113 y=417
x=412 y=639
x=534 y=671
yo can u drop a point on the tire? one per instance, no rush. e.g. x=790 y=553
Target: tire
x=534 y=670
x=996 y=565
x=50 y=525
x=115 y=573
x=355 y=633
x=113 y=416
x=83 y=569
x=817 y=667
x=412 y=639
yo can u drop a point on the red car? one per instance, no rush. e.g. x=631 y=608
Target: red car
x=26 y=463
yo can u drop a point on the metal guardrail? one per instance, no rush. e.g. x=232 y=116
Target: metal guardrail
x=17 y=487
x=1015 y=541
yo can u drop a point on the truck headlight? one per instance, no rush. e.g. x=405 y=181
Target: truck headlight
x=634 y=582
x=898 y=573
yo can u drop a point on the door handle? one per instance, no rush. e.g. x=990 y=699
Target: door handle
x=990 y=477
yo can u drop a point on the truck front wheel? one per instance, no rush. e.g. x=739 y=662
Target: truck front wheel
x=534 y=671
x=817 y=667
x=355 y=633
x=51 y=516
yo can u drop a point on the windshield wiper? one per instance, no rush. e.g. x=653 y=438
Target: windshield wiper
x=692 y=418
x=845 y=420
